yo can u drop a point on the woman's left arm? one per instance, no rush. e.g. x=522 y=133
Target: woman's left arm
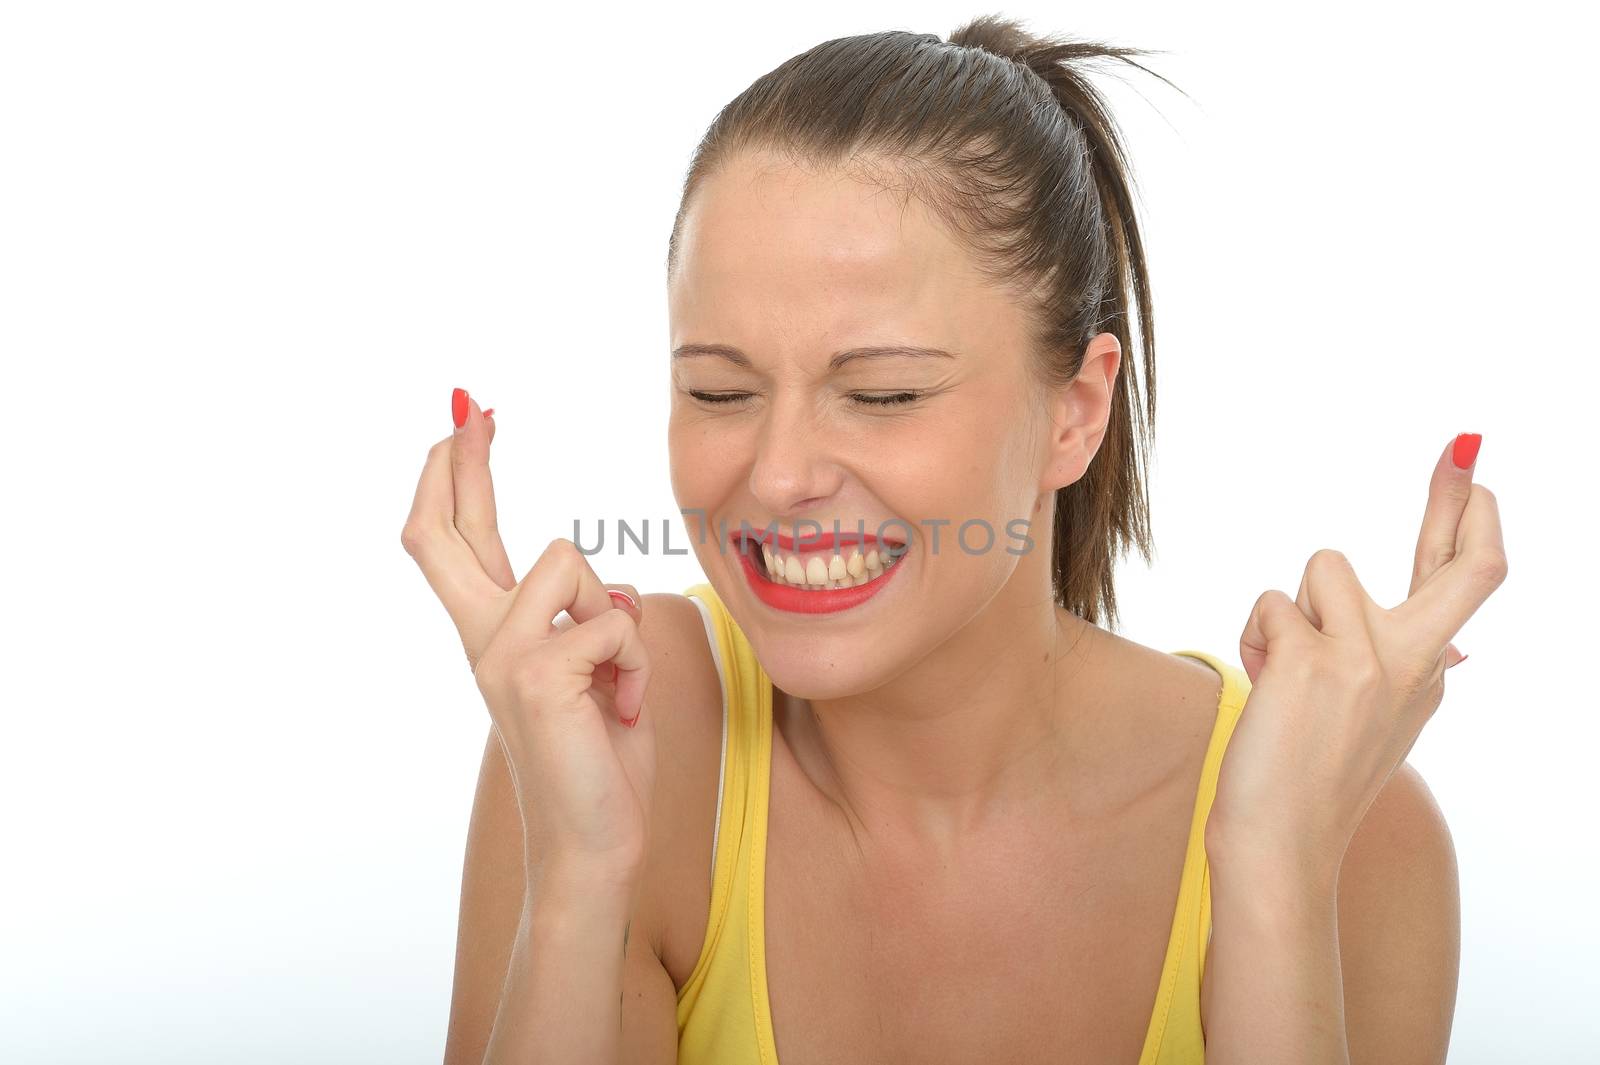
x=1363 y=972
x=1335 y=914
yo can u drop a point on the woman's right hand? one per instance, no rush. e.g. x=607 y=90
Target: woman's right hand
x=557 y=694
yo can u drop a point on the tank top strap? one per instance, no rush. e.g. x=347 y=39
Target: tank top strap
x=1235 y=692
x=742 y=790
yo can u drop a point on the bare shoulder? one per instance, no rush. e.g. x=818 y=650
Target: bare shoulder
x=1400 y=864
x=685 y=694
x=1162 y=697
x=1174 y=683
x=1399 y=876
x=1399 y=913
x=685 y=690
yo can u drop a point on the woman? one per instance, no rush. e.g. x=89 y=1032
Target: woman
x=894 y=793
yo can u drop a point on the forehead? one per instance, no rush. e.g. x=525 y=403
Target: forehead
x=768 y=247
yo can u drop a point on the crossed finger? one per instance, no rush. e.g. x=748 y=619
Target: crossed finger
x=472 y=497
x=1448 y=492
x=451 y=531
x=447 y=561
x=1444 y=600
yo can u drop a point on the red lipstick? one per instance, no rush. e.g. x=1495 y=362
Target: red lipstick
x=805 y=601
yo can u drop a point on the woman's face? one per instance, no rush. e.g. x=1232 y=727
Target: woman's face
x=784 y=270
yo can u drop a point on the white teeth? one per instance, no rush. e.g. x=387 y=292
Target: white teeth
x=847 y=569
x=816 y=571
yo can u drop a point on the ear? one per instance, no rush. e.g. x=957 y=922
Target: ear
x=1079 y=413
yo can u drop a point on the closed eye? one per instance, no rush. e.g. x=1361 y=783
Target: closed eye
x=885 y=399
x=871 y=399
x=720 y=397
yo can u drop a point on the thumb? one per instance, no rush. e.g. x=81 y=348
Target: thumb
x=626 y=598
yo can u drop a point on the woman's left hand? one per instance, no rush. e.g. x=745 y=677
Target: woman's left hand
x=1342 y=687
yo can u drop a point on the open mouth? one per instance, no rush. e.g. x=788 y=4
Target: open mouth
x=823 y=566
x=817 y=574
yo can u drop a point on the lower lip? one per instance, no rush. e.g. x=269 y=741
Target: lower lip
x=787 y=597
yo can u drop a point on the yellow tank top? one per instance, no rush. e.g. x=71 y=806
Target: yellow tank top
x=723 y=1011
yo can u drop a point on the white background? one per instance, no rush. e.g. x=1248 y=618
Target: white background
x=247 y=250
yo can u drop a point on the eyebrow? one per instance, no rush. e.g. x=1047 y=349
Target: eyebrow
x=884 y=351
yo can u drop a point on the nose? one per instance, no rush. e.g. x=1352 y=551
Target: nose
x=795 y=467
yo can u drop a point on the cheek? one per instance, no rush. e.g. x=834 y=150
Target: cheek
x=696 y=462
x=968 y=468
x=708 y=466
x=692 y=466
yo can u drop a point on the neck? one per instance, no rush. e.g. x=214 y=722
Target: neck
x=965 y=737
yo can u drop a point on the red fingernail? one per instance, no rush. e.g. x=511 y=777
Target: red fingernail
x=489 y=413
x=458 y=407
x=1466 y=450
x=624 y=596
x=634 y=720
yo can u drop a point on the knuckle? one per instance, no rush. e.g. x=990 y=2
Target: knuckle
x=1363 y=671
x=1327 y=560
x=1272 y=600
x=561 y=552
x=411 y=539
x=418 y=537
x=1489 y=567
x=567 y=557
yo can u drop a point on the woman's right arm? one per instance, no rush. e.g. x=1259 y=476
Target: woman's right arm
x=527 y=966
x=565 y=793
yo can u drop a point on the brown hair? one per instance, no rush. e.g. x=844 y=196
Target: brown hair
x=1001 y=134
